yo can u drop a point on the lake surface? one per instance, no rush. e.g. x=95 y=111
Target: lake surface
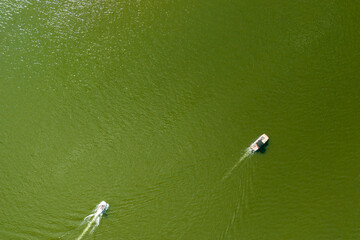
x=149 y=104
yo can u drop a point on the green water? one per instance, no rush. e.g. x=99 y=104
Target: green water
x=149 y=104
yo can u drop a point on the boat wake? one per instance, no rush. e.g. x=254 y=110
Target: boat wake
x=247 y=153
x=240 y=202
x=93 y=224
x=94 y=219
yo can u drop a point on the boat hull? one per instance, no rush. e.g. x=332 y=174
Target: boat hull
x=261 y=141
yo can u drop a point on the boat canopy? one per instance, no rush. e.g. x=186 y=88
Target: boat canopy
x=259 y=143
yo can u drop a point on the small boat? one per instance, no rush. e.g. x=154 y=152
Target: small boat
x=255 y=146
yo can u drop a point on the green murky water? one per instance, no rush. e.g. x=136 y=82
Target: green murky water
x=148 y=105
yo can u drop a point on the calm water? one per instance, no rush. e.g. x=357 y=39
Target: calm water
x=148 y=105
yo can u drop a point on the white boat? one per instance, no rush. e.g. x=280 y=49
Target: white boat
x=100 y=210
x=255 y=146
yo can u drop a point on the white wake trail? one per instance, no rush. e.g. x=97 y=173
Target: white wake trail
x=94 y=218
x=246 y=154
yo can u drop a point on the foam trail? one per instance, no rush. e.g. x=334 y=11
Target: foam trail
x=94 y=218
x=245 y=155
x=86 y=229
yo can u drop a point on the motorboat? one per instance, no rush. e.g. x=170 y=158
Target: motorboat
x=261 y=141
x=98 y=212
x=102 y=207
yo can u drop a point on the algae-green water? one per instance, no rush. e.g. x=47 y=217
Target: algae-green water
x=147 y=105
